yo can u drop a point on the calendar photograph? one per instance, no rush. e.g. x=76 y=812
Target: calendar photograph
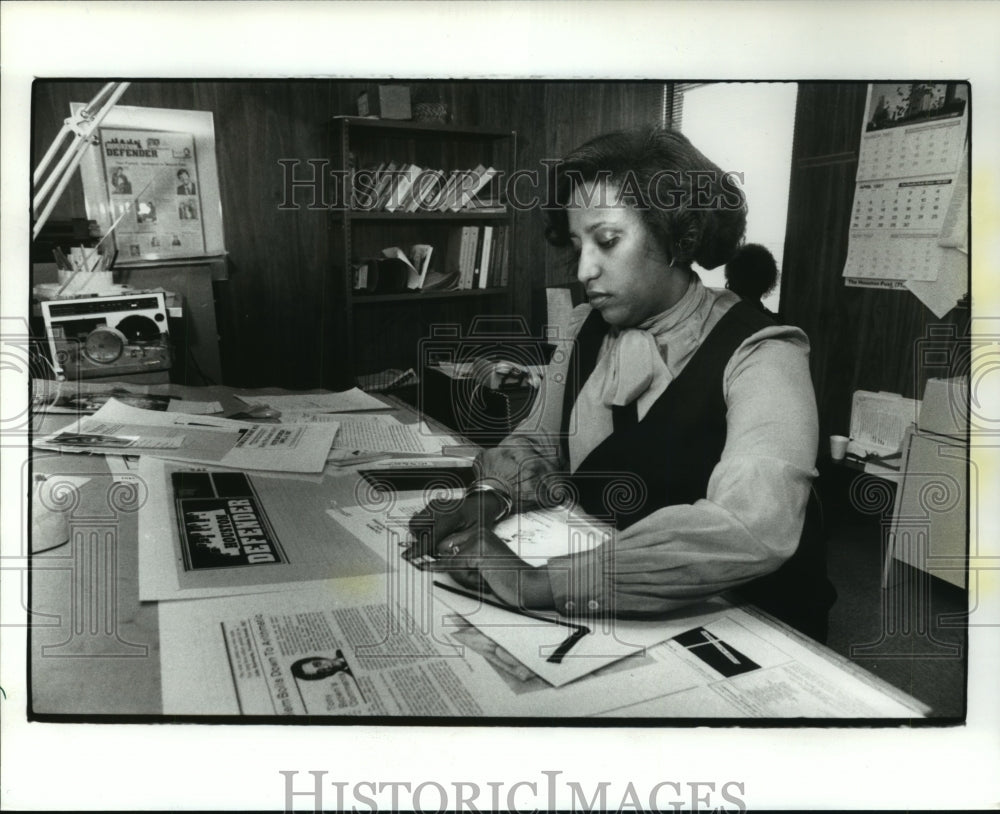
x=897 y=104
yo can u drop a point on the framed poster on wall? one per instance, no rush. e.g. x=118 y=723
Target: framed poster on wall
x=153 y=180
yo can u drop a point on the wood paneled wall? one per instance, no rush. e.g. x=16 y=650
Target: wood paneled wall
x=862 y=339
x=281 y=290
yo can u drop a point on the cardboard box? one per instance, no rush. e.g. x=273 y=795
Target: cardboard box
x=945 y=407
x=385 y=101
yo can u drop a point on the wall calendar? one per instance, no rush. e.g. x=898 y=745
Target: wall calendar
x=911 y=156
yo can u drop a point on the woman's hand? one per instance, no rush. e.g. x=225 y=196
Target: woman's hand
x=479 y=560
x=440 y=519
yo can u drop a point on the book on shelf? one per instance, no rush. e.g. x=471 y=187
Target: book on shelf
x=386 y=174
x=425 y=190
x=398 y=190
x=417 y=260
x=493 y=275
x=470 y=237
x=452 y=179
x=403 y=187
x=420 y=256
x=360 y=276
x=477 y=255
x=471 y=185
x=499 y=276
x=483 y=262
x=462 y=181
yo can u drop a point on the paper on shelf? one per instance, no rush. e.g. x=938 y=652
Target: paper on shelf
x=879 y=421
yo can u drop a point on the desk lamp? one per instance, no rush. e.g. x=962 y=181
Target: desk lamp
x=82 y=126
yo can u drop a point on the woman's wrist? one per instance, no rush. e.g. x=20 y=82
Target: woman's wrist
x=524 y=587
x=494 y=498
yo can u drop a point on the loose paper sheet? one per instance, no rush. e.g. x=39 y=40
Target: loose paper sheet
x=345 y=402
x=205 y=532
x=879 y=421
x=119 y=429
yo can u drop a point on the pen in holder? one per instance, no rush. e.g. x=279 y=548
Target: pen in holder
x=84 y=272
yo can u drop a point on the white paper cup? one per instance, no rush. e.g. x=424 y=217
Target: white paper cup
x=85 y=282
x=838 y=447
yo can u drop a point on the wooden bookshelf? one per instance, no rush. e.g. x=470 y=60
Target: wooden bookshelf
x=375 y=331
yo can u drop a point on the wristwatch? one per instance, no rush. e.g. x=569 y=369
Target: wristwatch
x=496 y=488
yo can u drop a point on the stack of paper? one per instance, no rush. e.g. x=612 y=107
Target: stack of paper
x=879 y=421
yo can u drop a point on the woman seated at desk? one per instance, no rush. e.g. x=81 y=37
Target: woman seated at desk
x=697 y=403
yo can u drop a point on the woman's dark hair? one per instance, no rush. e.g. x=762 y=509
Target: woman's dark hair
x=695 y=211
x=752 y=273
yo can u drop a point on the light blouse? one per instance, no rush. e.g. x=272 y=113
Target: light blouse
x=751 y=518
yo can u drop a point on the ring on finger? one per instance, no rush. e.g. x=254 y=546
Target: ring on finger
x=454 y=550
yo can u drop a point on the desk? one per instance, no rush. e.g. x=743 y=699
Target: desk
x=95 y=648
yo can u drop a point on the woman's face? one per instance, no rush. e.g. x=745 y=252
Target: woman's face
x=626 y=275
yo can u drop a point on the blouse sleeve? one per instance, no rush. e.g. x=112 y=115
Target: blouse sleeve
x=523 y=461
x=752 y=516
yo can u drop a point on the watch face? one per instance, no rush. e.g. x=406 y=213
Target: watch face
x=104 y=345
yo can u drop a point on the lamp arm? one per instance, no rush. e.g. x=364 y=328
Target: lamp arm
x=83 y=125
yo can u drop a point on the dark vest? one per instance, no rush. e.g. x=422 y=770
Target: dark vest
x=667 y=459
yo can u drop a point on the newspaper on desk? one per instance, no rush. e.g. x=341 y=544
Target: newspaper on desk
x=207 y=532
x=535 y=536
x=392 y=639
x=349 y=648
x=119 y=429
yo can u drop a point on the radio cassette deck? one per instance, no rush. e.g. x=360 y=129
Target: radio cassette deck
x=106 y=336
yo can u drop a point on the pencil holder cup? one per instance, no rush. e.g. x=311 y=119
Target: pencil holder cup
x=85 y=282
